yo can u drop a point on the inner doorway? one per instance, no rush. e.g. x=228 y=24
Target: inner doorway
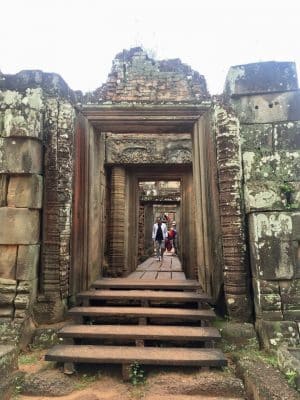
x=162 y=199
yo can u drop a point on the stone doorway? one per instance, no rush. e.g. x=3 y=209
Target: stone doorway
x=132 y=211
x=157 y=199
x=117 y=144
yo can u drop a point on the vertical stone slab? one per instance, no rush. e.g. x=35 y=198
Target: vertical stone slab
x=8 y=258
x=117 y=222
x=27 y=262
x=20 y=156
x=25 y=191
x=3 y=190
x=20 y=226
x=236 y=278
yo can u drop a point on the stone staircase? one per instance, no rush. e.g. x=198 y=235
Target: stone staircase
x=154 y=322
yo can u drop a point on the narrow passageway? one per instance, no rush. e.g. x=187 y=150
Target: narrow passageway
x=168 y=268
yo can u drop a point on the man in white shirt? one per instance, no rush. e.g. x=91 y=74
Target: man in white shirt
x=159 y=234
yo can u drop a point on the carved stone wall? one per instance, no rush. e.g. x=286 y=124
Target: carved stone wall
x=148 y=148
x=21 y=188
x=266 y=100
x=235 y=263
x=30 y=103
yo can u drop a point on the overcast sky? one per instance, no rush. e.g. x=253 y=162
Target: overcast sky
x=79 y=38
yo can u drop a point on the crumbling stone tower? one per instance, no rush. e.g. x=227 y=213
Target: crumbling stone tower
x=70 y=164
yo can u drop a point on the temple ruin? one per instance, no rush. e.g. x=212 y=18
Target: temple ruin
x=75 y=205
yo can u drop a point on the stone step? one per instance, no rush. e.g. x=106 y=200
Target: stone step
x=147 y=312
x=121 y=283
x=149 y=295
x=143 y=355
x=147 y=332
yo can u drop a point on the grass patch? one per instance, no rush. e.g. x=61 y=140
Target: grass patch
x=27 y=359
x=85 y=380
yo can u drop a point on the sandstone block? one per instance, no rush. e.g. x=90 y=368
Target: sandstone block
x=262 y=77
x=8 y=288
x=21 y=122
x=31 y=98
x=287 y=135
x=238 y=307
x=267 y=108
x=27 y=262
x=256 y=137
x=273 y=259
x=6 y=311
x=3 y=189
x=280 y=166
x=22 y=301
x=8 y=258
x=282 y=225
x=20 y=156
x=28 y=287
x=8 y=360
x=25 y=191
x=263 y=195
x=275 y=333
x=22 y=226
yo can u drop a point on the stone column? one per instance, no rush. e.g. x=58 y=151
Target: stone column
x=117 y=222
x=21 y=188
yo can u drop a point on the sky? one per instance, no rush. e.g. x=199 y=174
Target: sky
x=78 y=39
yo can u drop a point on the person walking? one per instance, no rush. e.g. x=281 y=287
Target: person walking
x=159 y=234
x=172 y=234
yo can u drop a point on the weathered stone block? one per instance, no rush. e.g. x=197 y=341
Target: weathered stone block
x=21 y=122
x=28 y=287
x=22 y=301
x=3 y=190
x=20 y=156
x=256 y=137
x=239 y=306
x=261 y=195
x=275 y=333
x=273 y=259
x=267 y=108
x=8 y=360
x=290 y=296
x=30 y=97
x=262 y=77
x=6 y=312
x=22 y=226
x=25 y=191
x=141 y=149
x=27 y=262
x=287 y=135
x=8 y=288
x=282 y=225
x=280 y=166
x=8 y=259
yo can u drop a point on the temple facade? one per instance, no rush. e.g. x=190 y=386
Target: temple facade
x=83 y=176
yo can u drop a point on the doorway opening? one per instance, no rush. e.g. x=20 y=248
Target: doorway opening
x=159 y=198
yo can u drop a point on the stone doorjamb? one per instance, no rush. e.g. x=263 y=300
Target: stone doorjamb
x=125 y=119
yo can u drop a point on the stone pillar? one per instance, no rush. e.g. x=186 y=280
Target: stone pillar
x=21 y=188
x=117 y=223
x=265 y=98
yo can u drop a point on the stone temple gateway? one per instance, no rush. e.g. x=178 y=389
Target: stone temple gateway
x=70 y=204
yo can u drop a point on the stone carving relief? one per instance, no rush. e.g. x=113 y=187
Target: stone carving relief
x=148 y=149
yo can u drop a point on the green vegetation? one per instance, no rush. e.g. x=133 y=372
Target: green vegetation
x=85 y=380
x=137 y=374
x=27 y=358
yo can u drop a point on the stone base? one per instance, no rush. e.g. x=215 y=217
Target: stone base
x=275 y=333
x=239 y=335
x=263 y=382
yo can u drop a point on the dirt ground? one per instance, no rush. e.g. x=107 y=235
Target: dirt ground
x=105 y=383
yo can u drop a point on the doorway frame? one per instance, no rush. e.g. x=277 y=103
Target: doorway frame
x=117 y=119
